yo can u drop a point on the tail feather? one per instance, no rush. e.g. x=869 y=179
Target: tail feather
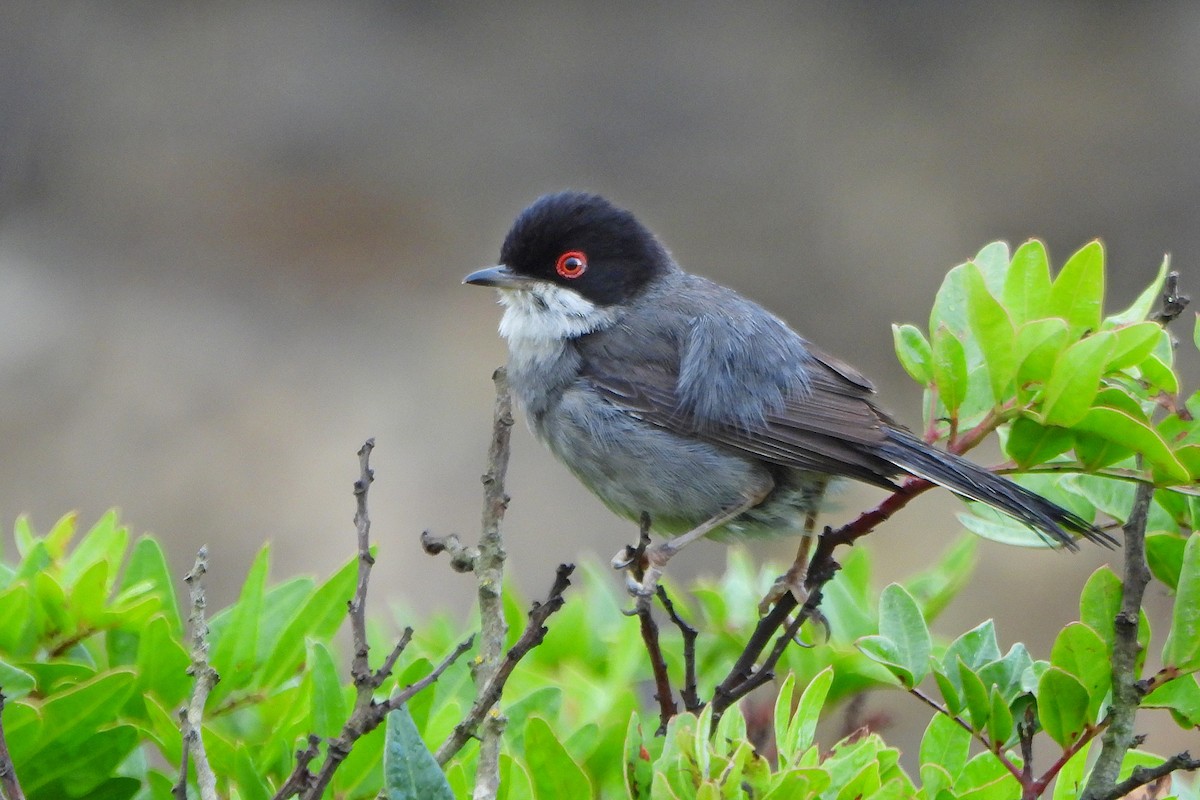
x=1051 y=521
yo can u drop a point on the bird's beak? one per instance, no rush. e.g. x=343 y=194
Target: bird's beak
x=499 y=277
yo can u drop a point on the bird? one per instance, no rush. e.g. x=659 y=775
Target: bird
x=669 y=395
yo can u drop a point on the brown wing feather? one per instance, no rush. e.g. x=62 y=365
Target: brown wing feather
x=831 y=427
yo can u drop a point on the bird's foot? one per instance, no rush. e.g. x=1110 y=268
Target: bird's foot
x=791 y=582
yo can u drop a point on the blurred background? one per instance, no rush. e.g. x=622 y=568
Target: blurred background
x=232 y=237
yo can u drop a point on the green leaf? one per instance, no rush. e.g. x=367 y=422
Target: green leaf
x=1158 y=373
x=1031 y=444
x=319 y=617
x=15 y=683
x=802 y=730
x=1083 y=653
x=949 y=369
x=1122 y=428
x=638 y=769
x=976 y=696
x=250 y=783
x=994 y=332
x=1145 y=301
x=328 y=703
x=1181 y=696
x=976 y=647
x=1000 y=720
x=914 y=352
x=1027 y=284
x=1078 y=292
x=883 y=650
x=1040 y=342
x=555 y=774
x=106 y=541
x=1132 y=344
x=148 y=566
x=1075 y=379
x=410 y=772
x=900 y=621
x=235 y=645
x=162 y=663
x=1070 y=781
x=1099 y=603
x=1182 y=648
x=946 y=744
x=1164 y=555
x=1062 y=706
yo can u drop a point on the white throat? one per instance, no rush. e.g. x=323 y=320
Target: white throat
x=543 y=316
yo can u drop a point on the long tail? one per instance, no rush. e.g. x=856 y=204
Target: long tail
x=1053 y=522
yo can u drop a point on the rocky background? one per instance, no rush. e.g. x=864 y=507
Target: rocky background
x=232 y=236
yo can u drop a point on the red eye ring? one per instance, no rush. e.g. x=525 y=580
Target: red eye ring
x=571 y=264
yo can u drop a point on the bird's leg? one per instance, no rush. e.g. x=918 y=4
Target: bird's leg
x=793 y=580
x=658 y=555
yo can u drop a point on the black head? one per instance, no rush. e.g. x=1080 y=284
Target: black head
x=585 y=243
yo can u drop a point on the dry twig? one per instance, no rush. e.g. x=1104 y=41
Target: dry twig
x=191 y=717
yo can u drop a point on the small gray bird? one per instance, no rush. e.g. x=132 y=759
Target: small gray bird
x=667 y=394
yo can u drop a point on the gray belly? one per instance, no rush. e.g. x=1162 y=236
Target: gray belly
x=633 y=466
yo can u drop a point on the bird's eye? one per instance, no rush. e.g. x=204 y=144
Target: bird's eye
x=571 y=264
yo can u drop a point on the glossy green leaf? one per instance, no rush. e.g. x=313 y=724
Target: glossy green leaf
x=555 y=774
x=1031 y=444
x=1000 y=720
x=162 y=663
x=235 y=642
x=1159 y=374
x=949 y=369
x=1099 y=603
x=1181 y=696
x=148 y=566
x=802 y=730
x=105 y=541
x=975 y=694
x=410 y=770
x=1075 y=379
x=1132 y=344
x=1182 y=648
x=1164 y=556
x=1128 y=431
x=994 y=332
x=1062 y=706
x=914 y=352
x=1077 y=294
x=945 y=744
x=1005 y=673
x=1027 y=284
x=319 y=617
x=900 y=620
x=1084 y=654
x=1039 y=345
x=15 y=682
x=1145 y=302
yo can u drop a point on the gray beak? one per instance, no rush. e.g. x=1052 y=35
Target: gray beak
x=499 y=277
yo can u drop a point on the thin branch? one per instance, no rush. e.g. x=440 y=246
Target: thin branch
x=360 y=666
x=489 y=572
x=1143 y=775
x=744 y=676
x=1119 y=737
x=535 y=632
x=689 y=694
x=643 y=608
x=367 y=713
x=10 y=787
x=191 y=717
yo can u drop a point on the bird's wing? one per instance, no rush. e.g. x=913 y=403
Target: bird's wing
x=761 y=391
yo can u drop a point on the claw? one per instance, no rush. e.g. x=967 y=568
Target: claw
x=624 y=557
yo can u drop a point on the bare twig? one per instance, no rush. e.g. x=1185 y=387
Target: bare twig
x=1144 y=775
x=643 y=608
x=10 y=787
x=745 y=676
x=367 y=713
x=689 y=694
x=1173 y=303
x=191 y=717
x=489 y=693
x=1127 y=695
x=489 y=571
